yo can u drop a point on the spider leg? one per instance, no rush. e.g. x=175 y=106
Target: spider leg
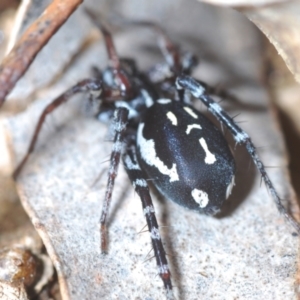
x=140 y=185
x=88 y=85
x=110 y=47
x=168 y=48
x=177 y=61
x=218 y=91
x=121 y=119
x=121 y=79
x=241 y=137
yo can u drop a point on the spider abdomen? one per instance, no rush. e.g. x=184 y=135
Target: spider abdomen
x=185 y=156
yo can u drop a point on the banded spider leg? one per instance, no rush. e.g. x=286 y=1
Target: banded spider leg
x=138 y=180
x=87 y=85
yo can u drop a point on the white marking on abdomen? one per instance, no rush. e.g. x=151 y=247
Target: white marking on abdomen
x=147 y=149
x=200 y=197
x=190 y=112
x=192 y=126
x=230 y=186
x=164 y=101
x=209 y=158
x=172 y=118
x=130 y=164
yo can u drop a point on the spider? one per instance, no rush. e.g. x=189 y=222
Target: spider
x=161 y=137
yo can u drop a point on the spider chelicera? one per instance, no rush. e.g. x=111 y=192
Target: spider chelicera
x=159 y=136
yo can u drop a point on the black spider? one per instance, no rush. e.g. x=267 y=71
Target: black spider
x=159 y=135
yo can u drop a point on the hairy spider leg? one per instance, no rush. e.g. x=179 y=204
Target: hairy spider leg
x=175 y=60
x=168 y=48
x=138 y=180
x=87 y=85
x=120 y=119
x=120 y=78
x=171 y=54
x=241 y=137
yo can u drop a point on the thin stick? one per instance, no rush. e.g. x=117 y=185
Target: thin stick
x=32 y=41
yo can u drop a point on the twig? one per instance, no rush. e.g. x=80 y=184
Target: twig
x=32 y=41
